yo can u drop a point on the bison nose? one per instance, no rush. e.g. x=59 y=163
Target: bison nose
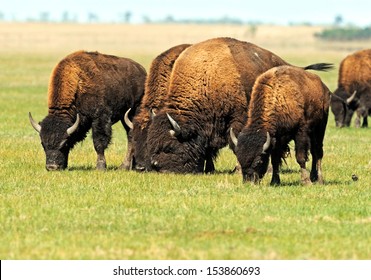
x=52 y=167
x=140 y=168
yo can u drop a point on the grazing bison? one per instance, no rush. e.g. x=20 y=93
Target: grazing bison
x=354 y=89
x=88 y=90
x=156 y=88
x=287 y=103
x=208 y=92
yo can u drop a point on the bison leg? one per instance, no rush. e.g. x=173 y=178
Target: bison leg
x=317 y=154
x=101 y=161
x=365 y=123
x=357 y=121
x=209 y=166
x=316 y=149
x=276 y=161
x=209 y=161
x=301 y=153
x=102 y=132
x=361 y=114
x=128 y=160
x=316 y=172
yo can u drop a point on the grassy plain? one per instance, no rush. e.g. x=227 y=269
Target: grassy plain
x=84 y=214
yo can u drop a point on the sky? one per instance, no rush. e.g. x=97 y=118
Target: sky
x=357 y=12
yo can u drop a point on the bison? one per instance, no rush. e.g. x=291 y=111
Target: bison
x=88 y=90
x=156 y=88
x=208 y=92
x=287 y=103
x=354 y=89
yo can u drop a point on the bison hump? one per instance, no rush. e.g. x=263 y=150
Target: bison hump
x=63 y=84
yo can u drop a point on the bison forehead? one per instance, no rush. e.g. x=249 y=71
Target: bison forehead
x=54 y=130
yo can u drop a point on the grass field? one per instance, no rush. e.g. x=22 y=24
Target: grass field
x=85 y=214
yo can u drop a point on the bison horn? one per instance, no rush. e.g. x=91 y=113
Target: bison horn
x=267 y=143
x=350 y=99
x=176 y=128
x=233 y=137
x=34 y=124
x=73 y=128
x=127 y=120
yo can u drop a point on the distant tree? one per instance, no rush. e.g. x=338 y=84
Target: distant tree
x=65 y=16
x=147 y=19
x=127 y=16
x=44 y=17
x=92 y=17
x=345 y=34
x=1 y=16
x=338 y=20
x=169 y=19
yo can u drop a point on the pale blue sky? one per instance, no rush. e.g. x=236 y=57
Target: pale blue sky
x=270 y=11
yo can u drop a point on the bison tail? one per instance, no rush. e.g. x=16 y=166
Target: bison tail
x=320 y=67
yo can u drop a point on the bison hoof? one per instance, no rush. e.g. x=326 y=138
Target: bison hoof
x=306 y=182
x=275 y=183
x=101 y=165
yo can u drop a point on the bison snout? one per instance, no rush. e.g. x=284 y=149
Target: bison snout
x=140 y=168
x=54 y=167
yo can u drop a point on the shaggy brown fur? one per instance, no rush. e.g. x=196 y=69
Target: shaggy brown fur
x=157 y=83
x=354 y=75
x=290 y=104
x=100 y=89
x=210 y=86
x=156 y=89
x=355 y=67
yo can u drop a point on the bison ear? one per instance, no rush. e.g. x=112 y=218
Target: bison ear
x=176 y=128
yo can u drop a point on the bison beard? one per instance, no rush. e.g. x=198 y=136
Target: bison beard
x=182 y=152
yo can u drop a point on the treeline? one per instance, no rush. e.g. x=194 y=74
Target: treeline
x=345 y=34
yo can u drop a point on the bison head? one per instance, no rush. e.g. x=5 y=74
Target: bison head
x=139 y=128
x=252 y=153
x=55 y=137
x=174 y=147
x=342 y=107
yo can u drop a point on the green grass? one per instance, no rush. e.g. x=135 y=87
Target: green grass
x=85 y=214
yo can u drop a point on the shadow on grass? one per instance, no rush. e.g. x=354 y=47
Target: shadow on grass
x=92 y=168
x=299 y=184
